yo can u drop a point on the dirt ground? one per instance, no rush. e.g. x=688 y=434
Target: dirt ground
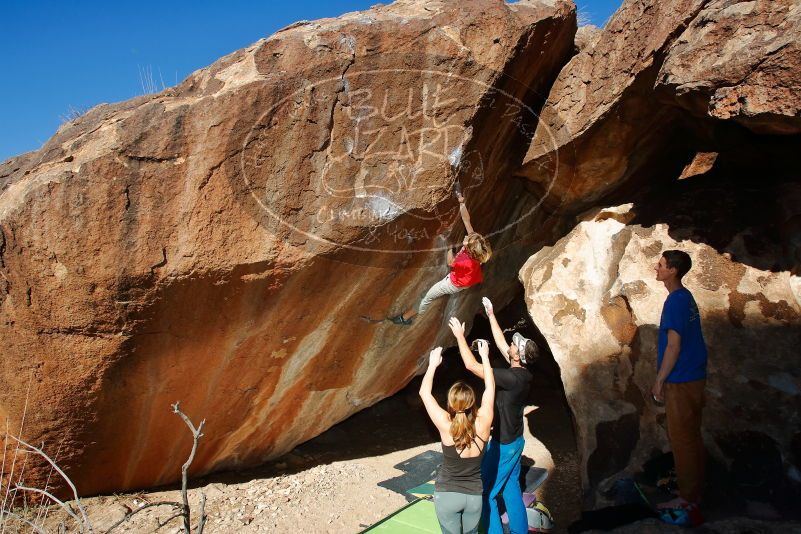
x=330 y=484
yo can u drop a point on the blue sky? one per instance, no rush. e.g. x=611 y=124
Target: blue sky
x=61 y=55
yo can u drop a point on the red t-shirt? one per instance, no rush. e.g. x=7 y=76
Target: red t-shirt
x=465 y=271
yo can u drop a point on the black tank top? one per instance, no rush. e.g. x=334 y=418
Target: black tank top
x=462 y=475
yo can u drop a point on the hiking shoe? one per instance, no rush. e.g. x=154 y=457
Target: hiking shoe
x=398 y=319
x=687 y=515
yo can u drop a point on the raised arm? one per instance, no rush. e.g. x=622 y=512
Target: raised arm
x=469 y=360
x=497 y=333
x=485 y=411
x=465 y=214
x=438 y=416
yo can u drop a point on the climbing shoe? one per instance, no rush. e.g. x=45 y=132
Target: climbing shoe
x=688 y=515
x=398 y=319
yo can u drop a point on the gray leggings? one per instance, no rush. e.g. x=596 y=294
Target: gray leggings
x=440 y=289
x=457 y=513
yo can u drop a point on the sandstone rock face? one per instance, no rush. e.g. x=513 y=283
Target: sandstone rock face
x=217 y=242
x=600 y=113
x=594 y=297
x=618 y=112
x=740 y=61
x=586 y=36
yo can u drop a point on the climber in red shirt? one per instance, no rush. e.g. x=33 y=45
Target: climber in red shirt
x=465 y=268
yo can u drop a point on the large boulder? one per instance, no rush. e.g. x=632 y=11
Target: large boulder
x=600 y=114
x=657 y=85
x=740 y=61
x=594 y=297
x=216 y=243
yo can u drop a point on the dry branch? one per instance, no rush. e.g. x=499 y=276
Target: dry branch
x=164 y=523
x=132 y=513
x=197 y=433
x=182 y=509
x=84 y=522
x=21 y=519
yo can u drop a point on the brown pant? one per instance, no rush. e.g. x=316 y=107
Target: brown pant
x=683 y=405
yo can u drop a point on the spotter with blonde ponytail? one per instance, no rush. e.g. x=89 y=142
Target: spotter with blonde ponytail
x=464 y=429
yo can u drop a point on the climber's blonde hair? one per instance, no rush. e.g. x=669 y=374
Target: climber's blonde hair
x=478 y=247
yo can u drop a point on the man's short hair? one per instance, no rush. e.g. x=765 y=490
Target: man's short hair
x=679 y=260
x=527 y=350
x=532 y=352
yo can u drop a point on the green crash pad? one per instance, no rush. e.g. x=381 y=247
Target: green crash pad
x=417 y=517
x=423 y=490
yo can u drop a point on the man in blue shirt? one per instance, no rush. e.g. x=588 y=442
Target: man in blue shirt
x=681 y=377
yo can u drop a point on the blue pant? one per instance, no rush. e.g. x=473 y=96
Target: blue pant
x=500 y=473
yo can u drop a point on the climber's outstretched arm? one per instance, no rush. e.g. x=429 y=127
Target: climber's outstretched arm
x=465 y=214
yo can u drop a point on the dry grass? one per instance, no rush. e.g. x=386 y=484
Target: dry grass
x=26 y=508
